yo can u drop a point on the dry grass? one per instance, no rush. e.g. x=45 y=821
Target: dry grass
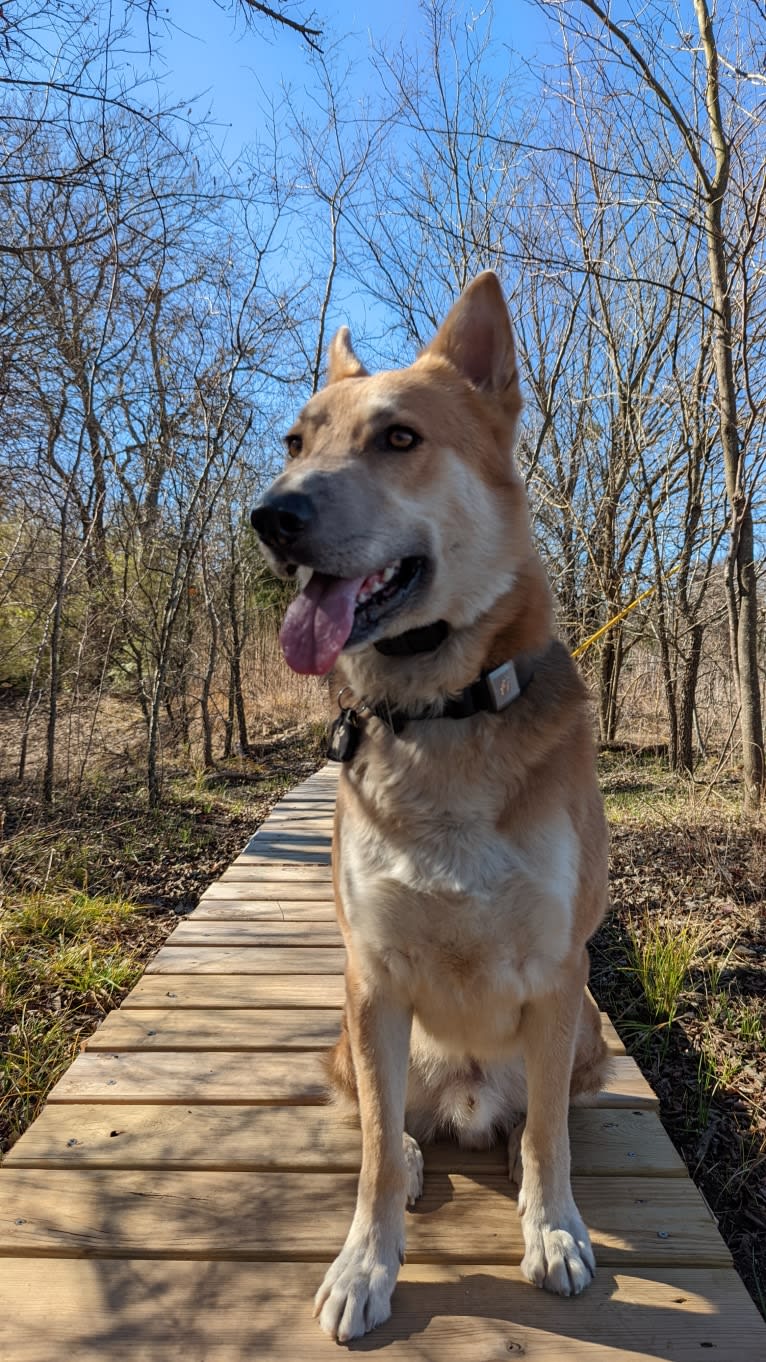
x=90 y=888
x=681 y=967
x=102 y=735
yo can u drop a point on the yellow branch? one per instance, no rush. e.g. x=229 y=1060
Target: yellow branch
x=621 y=616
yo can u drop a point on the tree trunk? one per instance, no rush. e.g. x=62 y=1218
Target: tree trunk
x=745 y=658
x=668 y=684
x=55 y=667
x=237 y=645
x=751 y=718
x=207 y=680
x=609 y=680
x=686 y=706
x=228 y=732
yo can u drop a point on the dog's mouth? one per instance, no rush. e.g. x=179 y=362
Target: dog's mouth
x=333 y=613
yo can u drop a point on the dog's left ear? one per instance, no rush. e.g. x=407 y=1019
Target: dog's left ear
x=476 y=338
x=341 y=360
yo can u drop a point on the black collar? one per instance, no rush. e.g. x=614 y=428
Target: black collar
x=424 y=640
x=491 y=693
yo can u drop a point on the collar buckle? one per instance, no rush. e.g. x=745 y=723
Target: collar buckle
x=502 y=686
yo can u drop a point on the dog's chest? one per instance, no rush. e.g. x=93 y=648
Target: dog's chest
x=447 y=899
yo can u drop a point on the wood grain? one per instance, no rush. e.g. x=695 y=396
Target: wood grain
x=274 y=910
x=169 y=1028
x=248 y=960
x=237 y=990
x=305 y=1216
x=197 y=1076
x=221 y=1076
x=227 y=933
x=261 y=1139
x=266 y=891
x=277 y=870
x=224 y=1029
x=131 y=1310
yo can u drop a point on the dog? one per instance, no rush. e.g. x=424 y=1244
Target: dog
x=470 y=845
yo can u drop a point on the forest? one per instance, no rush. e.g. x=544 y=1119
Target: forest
x=165 y=309
x=164 y=314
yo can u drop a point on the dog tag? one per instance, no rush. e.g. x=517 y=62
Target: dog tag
x=345 y=736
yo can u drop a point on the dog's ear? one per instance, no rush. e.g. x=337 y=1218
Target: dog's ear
x=341 y=360
x=476 y=338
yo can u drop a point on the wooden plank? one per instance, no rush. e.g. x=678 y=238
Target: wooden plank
x=303 y=798
x=199 y=1076
x=268 y=891
x=316 y=815
x=228 y=933
x=292 y=854
x=308 y=850
x=224 y=1029
x=217 y=1075
x=290 y=835
x=277 y=870
x=263 y=1139
x=238 y=990
x=305 y=1216
x=247 y=960
x=318 y=805
x=613 y=1042
x=625 y=1086
x=276 y=910
x=125 y=1310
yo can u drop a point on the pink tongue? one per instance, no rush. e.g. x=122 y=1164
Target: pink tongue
x=318 y=623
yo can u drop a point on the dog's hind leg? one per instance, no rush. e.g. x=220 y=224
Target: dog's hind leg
x=558 y=1252
x=515 y=1166
x=356 y=1292
x=591 y=1061
x=414 y=1161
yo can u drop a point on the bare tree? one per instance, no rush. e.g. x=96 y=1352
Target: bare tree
x=706 y=145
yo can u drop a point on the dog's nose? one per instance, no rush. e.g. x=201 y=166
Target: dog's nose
x=281 y=520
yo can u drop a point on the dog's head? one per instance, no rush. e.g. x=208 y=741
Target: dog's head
x=401 y=504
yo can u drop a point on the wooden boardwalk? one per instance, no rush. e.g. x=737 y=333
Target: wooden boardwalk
x=180 y=1193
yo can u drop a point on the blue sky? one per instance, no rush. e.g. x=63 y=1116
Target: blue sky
x=233 y=69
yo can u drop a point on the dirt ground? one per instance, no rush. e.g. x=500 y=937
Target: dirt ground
x=691 y=876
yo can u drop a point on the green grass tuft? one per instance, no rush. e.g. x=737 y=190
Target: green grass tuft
x=661 y=955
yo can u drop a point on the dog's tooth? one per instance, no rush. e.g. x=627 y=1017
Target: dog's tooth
x=388 y=574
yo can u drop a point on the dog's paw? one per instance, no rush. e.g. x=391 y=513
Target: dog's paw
x=558 y=1253
x=355 y=1295
x=414 y=1161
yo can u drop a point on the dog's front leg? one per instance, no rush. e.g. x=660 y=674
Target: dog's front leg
x=558 y=1253
x=356 y=1292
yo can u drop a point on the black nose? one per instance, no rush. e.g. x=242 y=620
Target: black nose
x=281 y=520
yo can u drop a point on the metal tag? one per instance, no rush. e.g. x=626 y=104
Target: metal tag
x=503 y=685
x=345 y=736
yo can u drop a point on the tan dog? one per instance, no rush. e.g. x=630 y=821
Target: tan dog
x=469 y=851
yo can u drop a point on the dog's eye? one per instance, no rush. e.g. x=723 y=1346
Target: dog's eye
x=401 y=437
x=294 y=445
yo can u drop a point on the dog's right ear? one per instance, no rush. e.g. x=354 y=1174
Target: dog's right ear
x=341 y=360
x=477 y=339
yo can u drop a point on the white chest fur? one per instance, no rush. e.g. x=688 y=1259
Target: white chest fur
x=462 y=916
